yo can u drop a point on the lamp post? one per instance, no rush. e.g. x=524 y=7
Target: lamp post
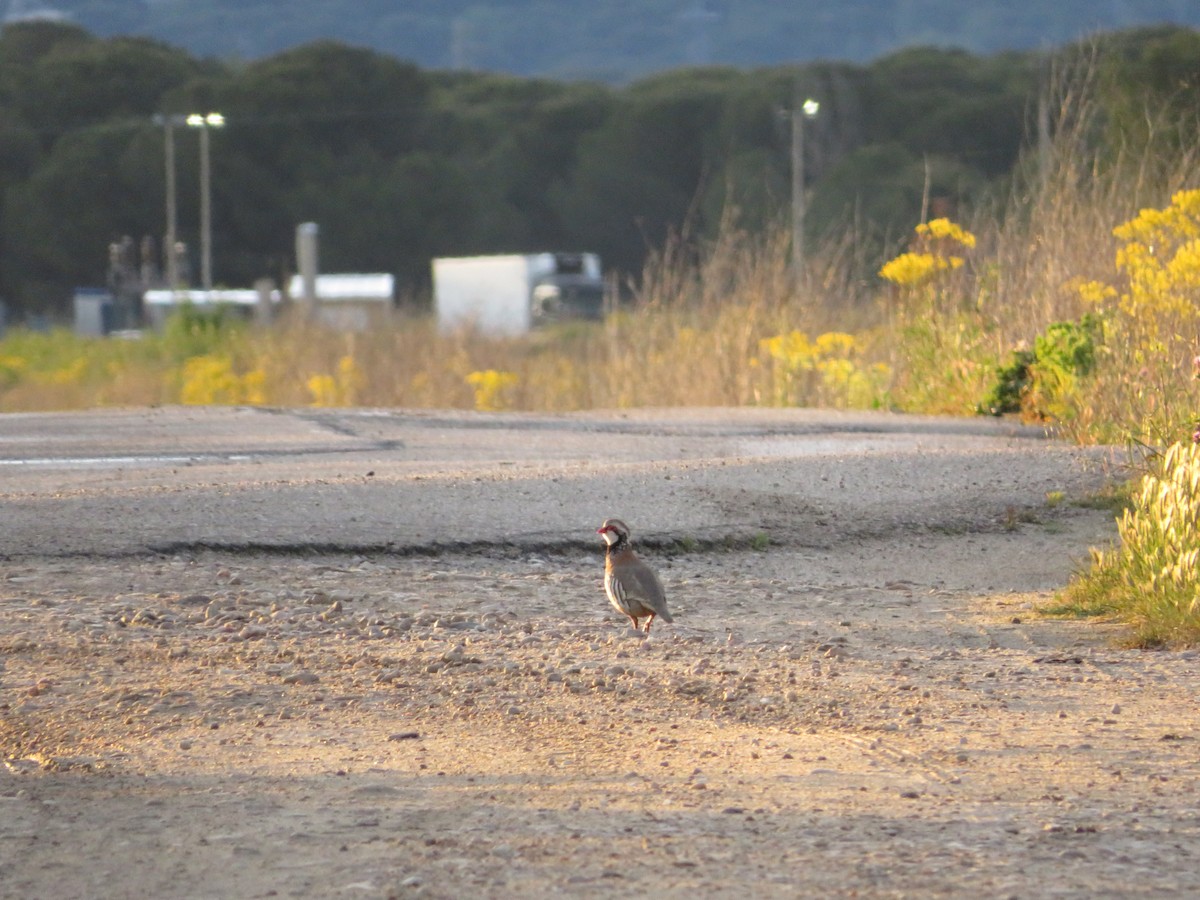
x=803 y=110
x=204 y=123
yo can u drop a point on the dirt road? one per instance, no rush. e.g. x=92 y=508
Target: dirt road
x=857 y=698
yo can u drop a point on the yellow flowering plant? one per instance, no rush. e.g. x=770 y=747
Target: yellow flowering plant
x=493 y=389
x=1151 y=318
x=338 y=389
x=937 y=243
x=827 y=371
x=940 y=331
x=211 y=380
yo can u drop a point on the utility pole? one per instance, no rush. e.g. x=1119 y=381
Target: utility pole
x=171 y=258
x=801 y=110
x=1044 y=144
x=205 y=212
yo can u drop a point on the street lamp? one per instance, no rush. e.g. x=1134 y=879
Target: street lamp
x=807 y=109
x=204 y=123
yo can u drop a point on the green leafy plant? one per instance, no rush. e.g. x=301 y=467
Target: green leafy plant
x=194 y=331
x=1043 y=383
x=1013 y=380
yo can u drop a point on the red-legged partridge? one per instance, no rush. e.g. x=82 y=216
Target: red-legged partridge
x=631 y=585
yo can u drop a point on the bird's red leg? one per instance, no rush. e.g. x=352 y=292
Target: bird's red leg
x=648 y=621
x=635 y=623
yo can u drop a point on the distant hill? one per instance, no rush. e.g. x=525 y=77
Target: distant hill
x=606 y=41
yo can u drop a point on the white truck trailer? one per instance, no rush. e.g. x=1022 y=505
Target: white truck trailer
x=511 y=294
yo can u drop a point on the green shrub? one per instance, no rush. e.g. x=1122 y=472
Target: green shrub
x=1043 y=383
x=192 y=331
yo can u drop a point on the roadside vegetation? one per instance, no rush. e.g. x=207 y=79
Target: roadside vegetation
x=1073 y=305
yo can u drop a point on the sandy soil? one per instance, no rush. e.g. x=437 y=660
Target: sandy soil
x=882 y=718
x=238 y=687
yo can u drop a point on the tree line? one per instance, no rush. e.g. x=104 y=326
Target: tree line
x=611 y=41
x=398 y=164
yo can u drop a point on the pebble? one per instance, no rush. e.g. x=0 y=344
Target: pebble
x=301 y=678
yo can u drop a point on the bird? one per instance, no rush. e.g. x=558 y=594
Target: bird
x=631 y=585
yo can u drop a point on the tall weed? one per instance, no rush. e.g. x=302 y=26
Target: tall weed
x=1151 y=579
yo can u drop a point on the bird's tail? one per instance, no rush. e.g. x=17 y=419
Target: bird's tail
x=666 y=616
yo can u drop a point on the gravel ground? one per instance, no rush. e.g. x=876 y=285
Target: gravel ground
x=870 y=707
